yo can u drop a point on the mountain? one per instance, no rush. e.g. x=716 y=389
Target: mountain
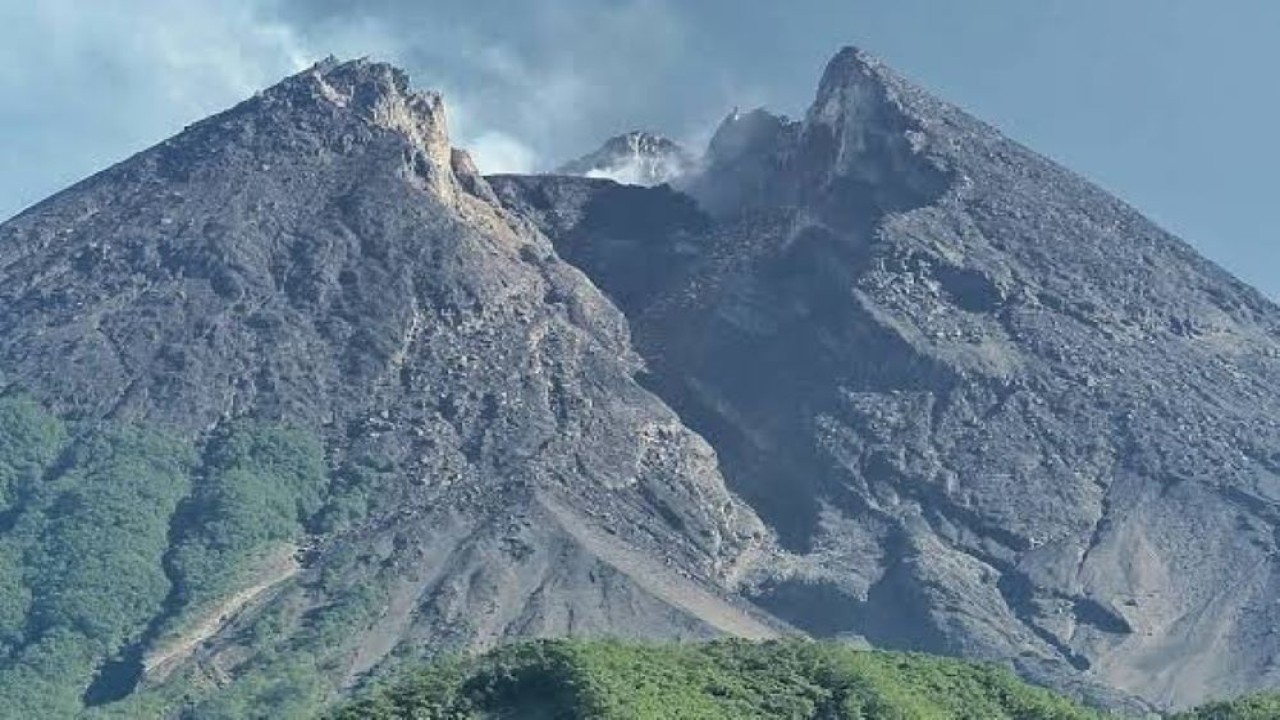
x=988 y=409
x=298 y=397
x=635 y=158
x=318 y=260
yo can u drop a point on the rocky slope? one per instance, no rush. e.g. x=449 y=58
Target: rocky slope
x=988 y=409
x=320 y=256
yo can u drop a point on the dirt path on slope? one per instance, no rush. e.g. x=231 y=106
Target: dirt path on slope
x=661 y=581
x=277 y=567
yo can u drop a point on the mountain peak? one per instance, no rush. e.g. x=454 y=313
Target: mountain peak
x=854 y=66
x=744 y=132
x=853 y=58
x=380 y=95
x=634 y=158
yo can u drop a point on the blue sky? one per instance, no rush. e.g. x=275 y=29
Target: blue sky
x=1171 y=104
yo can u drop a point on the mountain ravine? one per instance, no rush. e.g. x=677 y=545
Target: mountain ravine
x=877 y=374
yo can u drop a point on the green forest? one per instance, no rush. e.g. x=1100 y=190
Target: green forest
x=727 y=680
x=112 y=537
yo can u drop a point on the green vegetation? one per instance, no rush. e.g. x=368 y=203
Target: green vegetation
x=30 y=440
x=111 y=536
x=261 y=484
x=727 y=680
x=291 y=674
x=1254 y=707
x=733 y=680
x=88 y=525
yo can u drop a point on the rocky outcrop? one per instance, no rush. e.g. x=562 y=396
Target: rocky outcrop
x=989 y=409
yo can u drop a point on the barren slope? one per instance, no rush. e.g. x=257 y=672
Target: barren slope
x=989 y=409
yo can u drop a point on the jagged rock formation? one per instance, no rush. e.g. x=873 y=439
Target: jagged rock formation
x=320 y=256
x=634 y=158
x=988 y=409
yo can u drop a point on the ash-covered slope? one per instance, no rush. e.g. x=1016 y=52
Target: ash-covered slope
x=989 y=409
x=320 y=257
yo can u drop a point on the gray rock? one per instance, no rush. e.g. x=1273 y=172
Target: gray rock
x=988 y=409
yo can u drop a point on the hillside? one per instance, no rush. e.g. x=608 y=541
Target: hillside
x=717 y=681
x=1254 y=707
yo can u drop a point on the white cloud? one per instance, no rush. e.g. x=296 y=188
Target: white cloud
x=495 y=152
x=640 y=170
x=194 y=54
x=555 y=77
x=87 y=83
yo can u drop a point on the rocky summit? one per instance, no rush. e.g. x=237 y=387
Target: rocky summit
x=636 y=158
x=878 y=374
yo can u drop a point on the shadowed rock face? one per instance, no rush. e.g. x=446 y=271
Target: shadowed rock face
x=319 y=255
x=987 y=408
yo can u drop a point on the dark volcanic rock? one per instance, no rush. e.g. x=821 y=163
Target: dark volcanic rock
x=989 y=409
x=319 y=255
x=632 y=241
